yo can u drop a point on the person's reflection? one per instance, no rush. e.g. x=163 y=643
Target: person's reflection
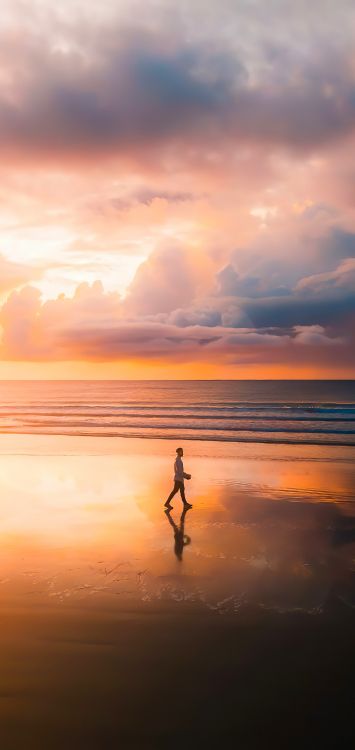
x=180 y=538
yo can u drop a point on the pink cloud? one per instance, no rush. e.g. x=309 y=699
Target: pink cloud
x=14 y=274
x=171 y=277
x=340 y=280
x=90 y=326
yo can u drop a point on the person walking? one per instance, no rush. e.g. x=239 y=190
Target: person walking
x=179 y=477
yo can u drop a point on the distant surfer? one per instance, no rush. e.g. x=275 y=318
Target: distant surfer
x=179 y=477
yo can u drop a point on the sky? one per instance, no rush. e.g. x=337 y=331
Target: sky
x=177 y=187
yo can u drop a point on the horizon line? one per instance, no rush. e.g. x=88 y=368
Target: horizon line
x=176 y=380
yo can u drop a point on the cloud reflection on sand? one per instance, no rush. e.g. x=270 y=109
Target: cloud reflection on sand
x=87 y=526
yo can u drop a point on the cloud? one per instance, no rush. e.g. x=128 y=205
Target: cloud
x=14 y=274
x=149 y=92
x=315 y=336
x=294 y=310
x=230 y=283
x=190 y=316
x=171 y=277
x=33 y=329
x=91 y=326
x=179 y=309
x=323 y=299
x=335 y=283
x=339 y=244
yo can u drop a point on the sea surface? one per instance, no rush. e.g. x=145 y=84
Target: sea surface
x=313 y=412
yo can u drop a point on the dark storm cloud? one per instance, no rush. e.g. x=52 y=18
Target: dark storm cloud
x=339 y=244
x=325 y=299
x=293 y=311
x=134 y=90
x=231 y=283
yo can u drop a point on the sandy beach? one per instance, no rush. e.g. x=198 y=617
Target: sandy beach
x=109 y=635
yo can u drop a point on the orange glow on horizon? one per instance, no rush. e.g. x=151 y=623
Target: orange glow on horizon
x=141 y=370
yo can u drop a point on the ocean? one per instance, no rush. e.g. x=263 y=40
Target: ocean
x=308 y=412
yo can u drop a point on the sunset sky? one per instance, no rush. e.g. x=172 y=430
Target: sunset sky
x=177 y=189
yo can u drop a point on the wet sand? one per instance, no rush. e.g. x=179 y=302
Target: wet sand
x=113 y=634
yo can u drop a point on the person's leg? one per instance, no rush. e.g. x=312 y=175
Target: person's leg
x=172 y=493
x=183 y=497
x=182 y=492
